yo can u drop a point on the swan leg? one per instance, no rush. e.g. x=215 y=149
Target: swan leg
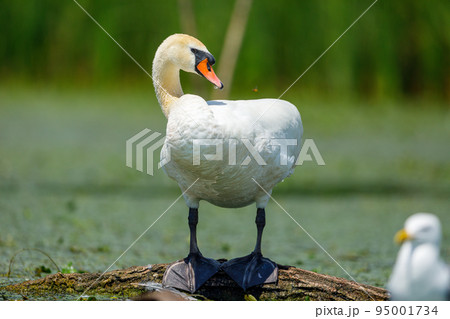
x=194 y=270
x=253 y=269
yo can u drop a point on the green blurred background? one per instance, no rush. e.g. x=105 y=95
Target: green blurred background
x=399 y=50
x=376 y=105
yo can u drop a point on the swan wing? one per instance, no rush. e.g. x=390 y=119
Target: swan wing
x=243 y=137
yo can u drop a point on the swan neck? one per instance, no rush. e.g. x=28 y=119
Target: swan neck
x=166 y=80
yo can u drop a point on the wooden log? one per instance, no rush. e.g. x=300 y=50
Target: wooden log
x=293 y=284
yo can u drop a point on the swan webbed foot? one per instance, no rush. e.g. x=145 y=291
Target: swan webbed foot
x=190 y=273
x=251 y=270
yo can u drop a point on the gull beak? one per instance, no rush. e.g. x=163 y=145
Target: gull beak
x=401 y=236
x=205 y=69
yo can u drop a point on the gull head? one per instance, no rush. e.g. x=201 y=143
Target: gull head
x=420 y=228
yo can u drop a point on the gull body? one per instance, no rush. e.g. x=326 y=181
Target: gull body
x=419 y=272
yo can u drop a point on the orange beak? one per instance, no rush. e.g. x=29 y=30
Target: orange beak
x=206 y=70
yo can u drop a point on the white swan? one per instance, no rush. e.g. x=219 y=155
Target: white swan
x=419 y=273
x=251 y=150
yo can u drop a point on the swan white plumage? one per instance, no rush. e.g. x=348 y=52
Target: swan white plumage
x=240 y=147
x=419 y=273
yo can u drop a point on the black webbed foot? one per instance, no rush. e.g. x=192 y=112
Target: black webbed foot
x=194 y=270
x=190 y=273
x=251 y=270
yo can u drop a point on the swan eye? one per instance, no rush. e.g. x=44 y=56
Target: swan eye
x=201 y=55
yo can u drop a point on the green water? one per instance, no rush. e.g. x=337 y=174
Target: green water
x=65 y=189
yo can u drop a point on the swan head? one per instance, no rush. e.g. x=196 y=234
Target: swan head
x=420 y=228
x=190 y=55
